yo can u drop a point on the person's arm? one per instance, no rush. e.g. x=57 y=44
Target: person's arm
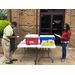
x=68 y=37
x=8 y=34
x=15 y=37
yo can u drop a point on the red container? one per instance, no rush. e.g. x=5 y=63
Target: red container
x=32 y=39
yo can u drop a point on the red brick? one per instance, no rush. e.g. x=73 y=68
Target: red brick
x=26 y=18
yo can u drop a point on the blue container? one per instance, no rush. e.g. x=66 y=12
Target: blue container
x=46 y=37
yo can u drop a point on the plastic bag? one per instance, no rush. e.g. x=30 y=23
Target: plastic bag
x=44 y=43
x=51 y=42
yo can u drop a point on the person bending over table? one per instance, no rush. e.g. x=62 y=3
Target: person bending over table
x=65 y=40
x=8 y=42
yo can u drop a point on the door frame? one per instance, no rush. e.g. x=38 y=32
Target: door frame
x=63 y=14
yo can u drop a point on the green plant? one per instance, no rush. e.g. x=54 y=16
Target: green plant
x=3 y=24
x=3 y=14
x=3 y=17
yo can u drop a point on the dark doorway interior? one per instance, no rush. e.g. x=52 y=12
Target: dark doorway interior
x=51 y=21
x=57 y=26
x=45 y=24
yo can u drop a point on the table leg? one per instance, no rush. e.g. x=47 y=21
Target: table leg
x=36 y=55
x=39 y=48
x=30 y=55
x=23 y=56
x=42 y=55
x=42 y=52
x=49 y=56
x=45 y=57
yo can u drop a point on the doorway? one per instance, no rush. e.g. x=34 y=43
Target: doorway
x=51 y=23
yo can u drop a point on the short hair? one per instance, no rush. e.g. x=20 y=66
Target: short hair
x=15 y=23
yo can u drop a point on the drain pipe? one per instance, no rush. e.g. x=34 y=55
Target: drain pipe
x=36 y=21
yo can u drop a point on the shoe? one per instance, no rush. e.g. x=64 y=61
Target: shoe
x=14 y=60
x=9 y=62
x=62 y=60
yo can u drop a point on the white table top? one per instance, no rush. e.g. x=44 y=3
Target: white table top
x=26 y=46
x=22 y=44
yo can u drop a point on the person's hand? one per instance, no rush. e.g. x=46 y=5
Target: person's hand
x=16 y=37
x=60 y=37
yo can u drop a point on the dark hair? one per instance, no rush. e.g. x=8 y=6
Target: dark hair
x=67 y=27
x=15 y=23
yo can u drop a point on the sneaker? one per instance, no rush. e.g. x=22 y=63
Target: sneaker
x=62 y=60
x=9 y=62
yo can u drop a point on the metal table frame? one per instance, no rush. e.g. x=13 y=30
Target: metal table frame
x=36 y=55
x=36 y=46
x=27 y=56
x=45 y=57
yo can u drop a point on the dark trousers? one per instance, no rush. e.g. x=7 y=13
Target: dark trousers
x=64 y=50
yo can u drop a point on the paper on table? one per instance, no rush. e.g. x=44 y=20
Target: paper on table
x=56 y=35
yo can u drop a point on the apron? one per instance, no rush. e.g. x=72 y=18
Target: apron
x=12 y=43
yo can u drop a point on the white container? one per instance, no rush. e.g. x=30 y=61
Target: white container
x=47 y=36
x=32 y=36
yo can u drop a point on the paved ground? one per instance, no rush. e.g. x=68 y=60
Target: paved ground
x=1 y=58
x=1 y=55
x=54 y=53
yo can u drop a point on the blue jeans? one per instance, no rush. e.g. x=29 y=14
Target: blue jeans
x=64 y=50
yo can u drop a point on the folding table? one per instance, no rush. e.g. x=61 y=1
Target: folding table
x=23 y=45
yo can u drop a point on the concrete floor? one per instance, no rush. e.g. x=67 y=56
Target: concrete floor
x=55 y=54
x=1 y=55
x=1 y=58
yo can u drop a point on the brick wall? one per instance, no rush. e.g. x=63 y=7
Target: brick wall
x=26 y=19
x=70 y=19
x=26 y=22
x=8 y=14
